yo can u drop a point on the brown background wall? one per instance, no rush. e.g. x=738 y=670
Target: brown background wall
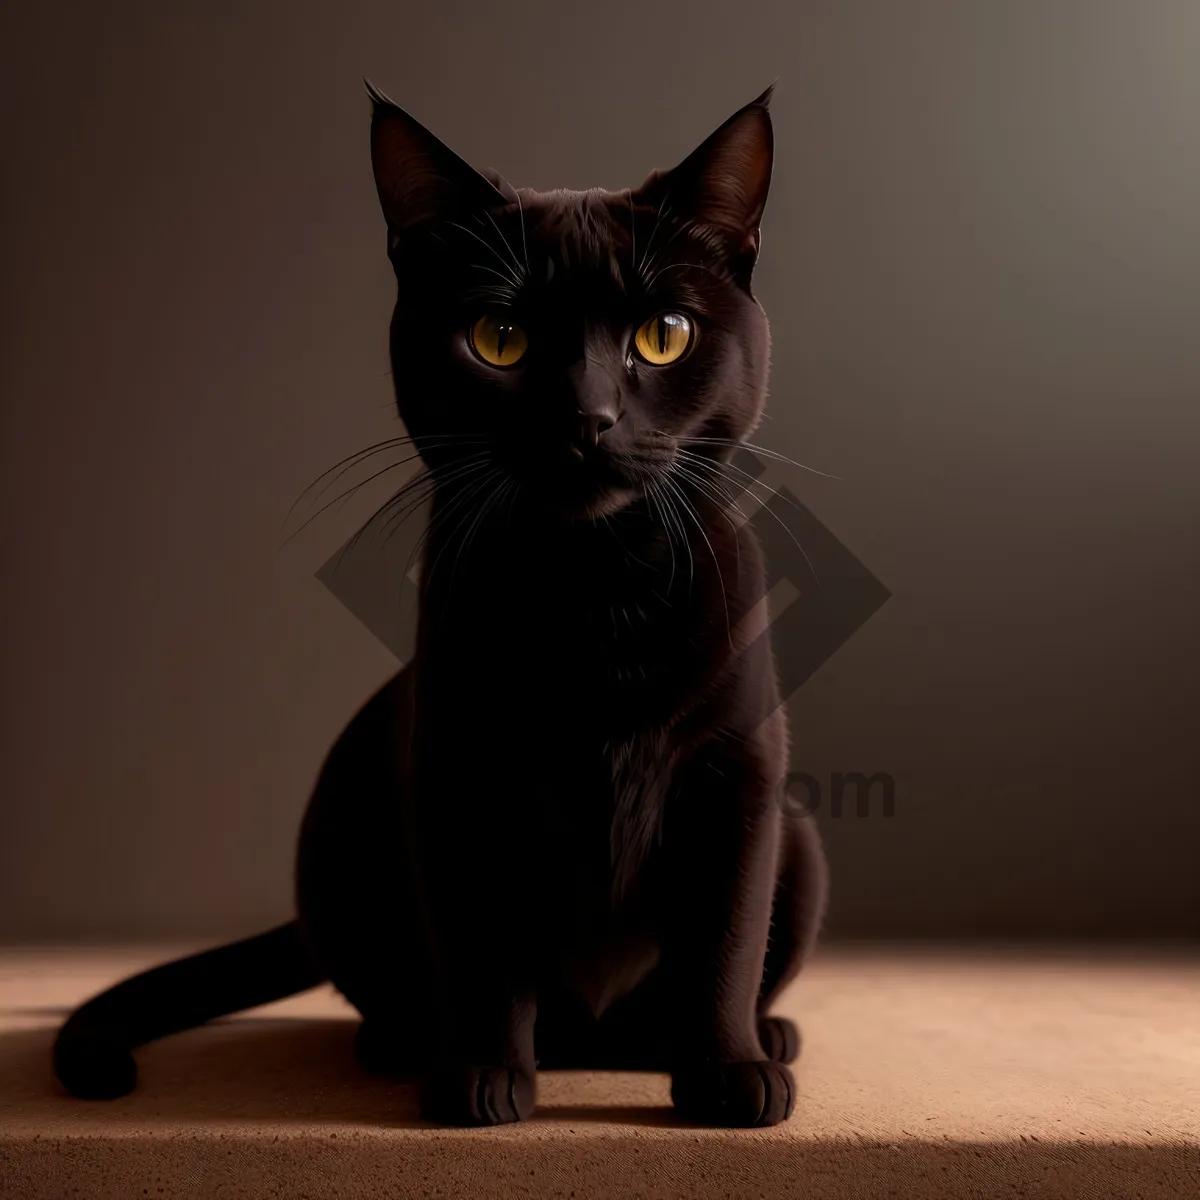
x=982 y=265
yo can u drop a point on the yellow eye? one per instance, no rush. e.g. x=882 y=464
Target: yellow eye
x=664 y=338
x=498 y=342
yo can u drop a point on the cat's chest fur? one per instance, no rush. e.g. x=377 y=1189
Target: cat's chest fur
x=599 y=840
x=587 y=632
x=578 y=658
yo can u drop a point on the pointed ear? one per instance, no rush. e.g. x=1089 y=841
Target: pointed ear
x=722 y=185
x=418 y=177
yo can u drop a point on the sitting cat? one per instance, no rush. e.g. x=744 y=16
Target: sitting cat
x=553 y=838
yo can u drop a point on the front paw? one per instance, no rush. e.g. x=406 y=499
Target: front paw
x=479 y=1095
x=734 y=1095
x=780 y=1039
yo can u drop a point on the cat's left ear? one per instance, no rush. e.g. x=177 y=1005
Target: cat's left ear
x=420 y=180
x=722 y=185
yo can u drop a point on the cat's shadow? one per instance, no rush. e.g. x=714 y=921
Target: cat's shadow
x=290 y=1071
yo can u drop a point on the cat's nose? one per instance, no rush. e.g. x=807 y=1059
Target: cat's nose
x=595 y=423
x=597 y=402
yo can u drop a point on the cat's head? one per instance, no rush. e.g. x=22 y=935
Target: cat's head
x=575 y=342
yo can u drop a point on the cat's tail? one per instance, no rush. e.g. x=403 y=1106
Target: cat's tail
x=93 y=1052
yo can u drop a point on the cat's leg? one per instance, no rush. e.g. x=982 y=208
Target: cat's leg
x=459 y=1020
x=720 y=844
x=485 y=1071
x=482 y=1069
x=381 y=966
x=797 y=911
x=633 y=1034
x=482 y=1073
x=478 y=911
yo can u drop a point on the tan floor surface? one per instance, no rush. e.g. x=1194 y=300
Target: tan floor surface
x=926 y=1073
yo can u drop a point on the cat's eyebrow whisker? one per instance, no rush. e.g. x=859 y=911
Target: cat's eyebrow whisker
x=513 y=279
x=493 y=271
x=499 y=296
x=632 y=232
x=524 y=243
x=512 y=253
x=678 y=267
x=648 y=264
x=663 y=209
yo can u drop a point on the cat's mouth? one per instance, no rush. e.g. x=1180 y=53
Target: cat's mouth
x=579 y=483
x=590 y=486
x=573 y=482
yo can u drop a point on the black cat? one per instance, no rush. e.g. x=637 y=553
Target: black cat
x=554 y=838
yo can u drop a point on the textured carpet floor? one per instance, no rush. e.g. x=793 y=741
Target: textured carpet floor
x=925 y=1074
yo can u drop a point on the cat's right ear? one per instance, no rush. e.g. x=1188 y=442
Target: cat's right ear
x=419 y=178
x=722 y=185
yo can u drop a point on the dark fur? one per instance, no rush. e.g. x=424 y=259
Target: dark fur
x=554 y=837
